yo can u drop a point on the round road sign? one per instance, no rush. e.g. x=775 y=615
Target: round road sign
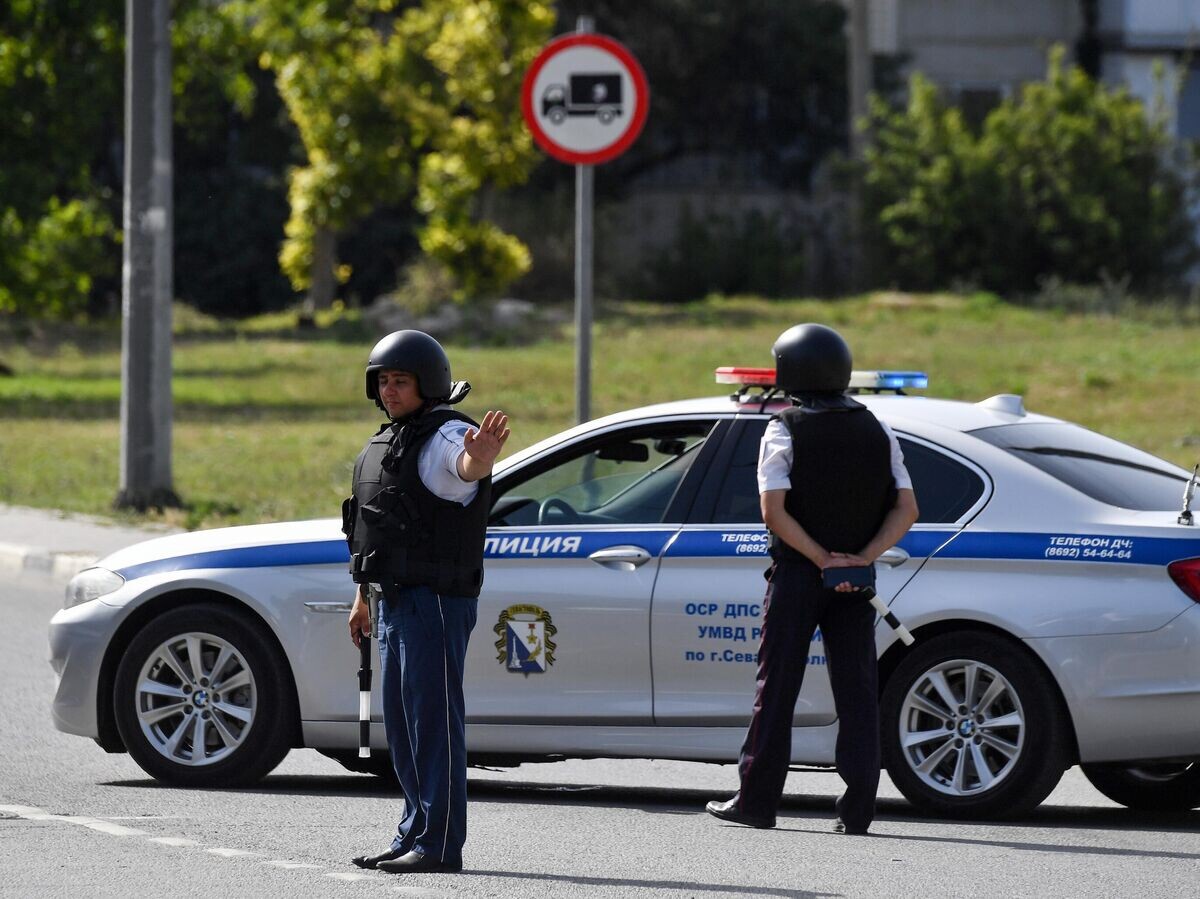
x=585 y=98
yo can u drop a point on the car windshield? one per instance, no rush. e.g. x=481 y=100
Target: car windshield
x=1098 y=466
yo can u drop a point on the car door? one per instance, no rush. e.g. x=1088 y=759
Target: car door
x=572 y=552
x=707 y=610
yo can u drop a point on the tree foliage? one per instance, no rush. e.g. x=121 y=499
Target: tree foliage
x=60 y=88
x=398 y=103
x=1067 y=179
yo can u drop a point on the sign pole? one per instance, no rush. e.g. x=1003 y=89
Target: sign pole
x=584 y=204
x=585 y=100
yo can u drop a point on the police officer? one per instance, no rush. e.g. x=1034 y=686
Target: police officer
x=416 y=524
x=835 y=495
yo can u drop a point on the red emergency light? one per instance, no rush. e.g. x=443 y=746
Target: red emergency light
x=738 y=374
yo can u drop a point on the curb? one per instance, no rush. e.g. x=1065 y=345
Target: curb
x=40 y=560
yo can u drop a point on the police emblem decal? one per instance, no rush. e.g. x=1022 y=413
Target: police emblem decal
x=525 y=643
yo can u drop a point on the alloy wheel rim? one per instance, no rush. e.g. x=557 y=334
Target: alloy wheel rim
x=195 y=699
x=962 y=727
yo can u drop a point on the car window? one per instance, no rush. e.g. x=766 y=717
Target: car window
x=1098 y=466
x=737 y=500
x=945 y=488
x=628 y=477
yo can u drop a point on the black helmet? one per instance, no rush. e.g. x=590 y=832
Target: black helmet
x=415 y=352
x=811 y=358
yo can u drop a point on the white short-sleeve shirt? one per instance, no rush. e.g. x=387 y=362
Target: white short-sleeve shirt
x=775 y=458
x=438 y=464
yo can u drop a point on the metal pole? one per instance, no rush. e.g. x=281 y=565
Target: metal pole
x=858 y=86
x=145 y=471
x=584 y=179
x=858 y=70
x=584 y=175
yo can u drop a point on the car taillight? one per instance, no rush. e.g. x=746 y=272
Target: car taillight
x=1186 y=575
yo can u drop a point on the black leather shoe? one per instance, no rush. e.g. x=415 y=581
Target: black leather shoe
x=840 y=827
x=372 y=861
x=416 y=863
x=729 y=811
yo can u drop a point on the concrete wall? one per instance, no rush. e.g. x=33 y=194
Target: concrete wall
x=977 y=43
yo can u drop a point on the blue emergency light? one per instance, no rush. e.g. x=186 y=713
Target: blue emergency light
x=889 y=380
x=859 y=380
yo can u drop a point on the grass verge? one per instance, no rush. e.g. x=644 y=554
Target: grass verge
x=267 y=423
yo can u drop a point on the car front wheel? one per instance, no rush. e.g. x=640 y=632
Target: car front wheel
x=1151 y=787
x=200 y=698
x=973 y=727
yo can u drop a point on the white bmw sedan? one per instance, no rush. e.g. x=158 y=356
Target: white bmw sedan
x=1052 y=585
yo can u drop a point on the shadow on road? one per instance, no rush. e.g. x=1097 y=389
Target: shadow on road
x=690 y=886
x=815 y=811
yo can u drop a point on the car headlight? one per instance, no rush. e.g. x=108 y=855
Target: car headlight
x=91 y=583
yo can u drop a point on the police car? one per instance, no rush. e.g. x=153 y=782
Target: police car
x=1052 y=585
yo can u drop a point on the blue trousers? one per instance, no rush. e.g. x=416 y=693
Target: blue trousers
x=795 y=604
x=422 y=651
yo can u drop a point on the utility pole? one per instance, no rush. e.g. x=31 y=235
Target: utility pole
x=858 y=86
x=858 y=59
x=146 y=278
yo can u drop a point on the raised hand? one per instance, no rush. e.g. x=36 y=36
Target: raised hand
x=484 y=445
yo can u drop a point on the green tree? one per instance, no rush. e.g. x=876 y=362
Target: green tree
x=61 y=166
x=1068 y=179
x=400 y=103
x=60 y=88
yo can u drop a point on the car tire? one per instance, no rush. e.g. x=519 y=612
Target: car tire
x=168 y=697
x=997 y=753
x=1150 y=787
x=379 y=764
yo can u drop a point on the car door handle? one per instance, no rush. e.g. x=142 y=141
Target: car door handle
x=329 y=606
x=621 y=558
x=893 y=557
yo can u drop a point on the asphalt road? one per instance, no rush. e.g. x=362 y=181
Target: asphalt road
x=75 y=821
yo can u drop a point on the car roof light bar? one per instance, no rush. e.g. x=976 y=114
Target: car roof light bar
x=859 y=380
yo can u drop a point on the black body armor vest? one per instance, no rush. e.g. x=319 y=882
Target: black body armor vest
x=842 y=484
x=398 y=530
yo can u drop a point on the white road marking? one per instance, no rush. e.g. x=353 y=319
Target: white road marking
x=107 y=827
x=31 y=813
x=229 y=853
x=338 y=875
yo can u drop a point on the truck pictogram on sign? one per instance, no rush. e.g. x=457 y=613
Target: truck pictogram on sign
x=584 y=94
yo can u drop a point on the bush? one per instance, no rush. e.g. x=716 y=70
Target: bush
x=1068 y=180
x=49 y=265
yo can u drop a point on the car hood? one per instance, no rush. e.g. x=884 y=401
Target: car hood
x=321 y=541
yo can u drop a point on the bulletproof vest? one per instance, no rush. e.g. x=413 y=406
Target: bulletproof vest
x=398 y=530
x=842 y=485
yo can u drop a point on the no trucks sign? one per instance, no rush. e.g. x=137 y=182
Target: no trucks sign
x=585 y=98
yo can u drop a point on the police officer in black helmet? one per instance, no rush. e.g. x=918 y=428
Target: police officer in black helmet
x=416 y=525
x=835 y=495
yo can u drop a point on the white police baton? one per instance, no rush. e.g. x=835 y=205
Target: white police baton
x=364 y=677
x=893 y=622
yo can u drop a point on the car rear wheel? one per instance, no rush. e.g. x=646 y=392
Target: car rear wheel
x=200 y=698
x=1165 y=787
x=973 y=728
